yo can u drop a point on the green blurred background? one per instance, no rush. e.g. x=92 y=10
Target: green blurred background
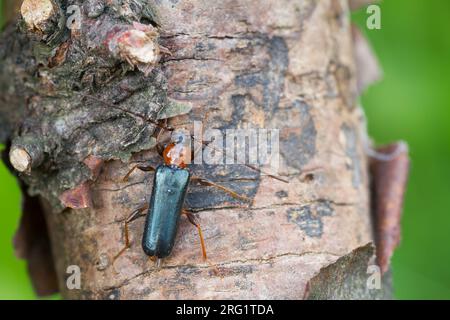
x=412 y=103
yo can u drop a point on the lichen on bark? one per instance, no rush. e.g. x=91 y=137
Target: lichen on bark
x=79 y=98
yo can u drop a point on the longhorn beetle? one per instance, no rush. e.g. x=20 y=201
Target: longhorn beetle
x=170 y=184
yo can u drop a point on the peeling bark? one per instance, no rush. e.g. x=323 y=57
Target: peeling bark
x=389 y=185
x=350 y=279
x=233 y=64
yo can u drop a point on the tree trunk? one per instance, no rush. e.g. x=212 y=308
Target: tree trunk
x=79 y=106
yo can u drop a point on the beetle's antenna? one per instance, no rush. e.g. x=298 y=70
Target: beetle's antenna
x=112 y=105
x=137 y=115
x=245 y=164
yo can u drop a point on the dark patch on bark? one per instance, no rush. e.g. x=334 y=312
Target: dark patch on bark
x=279 y=62
x=238 y=102
x=299 y=149
x=282 y=194
x=272 y=78
x=310 y=217
x=112 y=295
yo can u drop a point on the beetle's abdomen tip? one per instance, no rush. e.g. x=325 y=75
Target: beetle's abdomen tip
x=148 y=251
x=154 y=252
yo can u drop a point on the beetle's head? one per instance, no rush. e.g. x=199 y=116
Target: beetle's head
x=178 y=152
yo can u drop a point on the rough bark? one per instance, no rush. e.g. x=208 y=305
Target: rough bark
x=235 y=64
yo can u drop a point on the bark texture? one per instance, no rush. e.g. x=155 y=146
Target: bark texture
x=234 y=64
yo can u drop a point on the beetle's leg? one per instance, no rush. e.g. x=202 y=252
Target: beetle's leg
x=133 y=216
x=142 y=167
x=206 y=182
x=192 y=220
x=160 y=149
x=147 y=167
